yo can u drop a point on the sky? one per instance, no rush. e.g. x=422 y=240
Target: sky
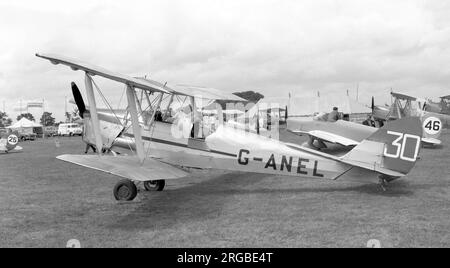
x=273 y=47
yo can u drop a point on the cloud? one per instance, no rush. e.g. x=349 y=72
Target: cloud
x=274 y=47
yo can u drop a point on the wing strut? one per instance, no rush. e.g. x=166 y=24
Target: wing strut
x=168 y=105
x=94 y=115
x=135 y=122
x=194 y=110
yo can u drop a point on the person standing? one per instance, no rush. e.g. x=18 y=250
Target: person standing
x=334 y=115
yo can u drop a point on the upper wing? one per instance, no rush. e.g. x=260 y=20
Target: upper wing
x=403 y=96
x=127 y=167
x=200 y=92
x=206 y=93
x=95 y=70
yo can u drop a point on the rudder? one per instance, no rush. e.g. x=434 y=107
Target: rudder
x=392 y=150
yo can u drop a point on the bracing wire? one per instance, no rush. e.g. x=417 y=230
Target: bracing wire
x=110 y=107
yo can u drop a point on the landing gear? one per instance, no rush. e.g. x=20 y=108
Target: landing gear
x=125 y=190
x=384 y=180
x=157 y=185
x=383 y=183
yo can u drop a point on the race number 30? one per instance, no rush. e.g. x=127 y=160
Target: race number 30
x=404 y=143
x=432 y=125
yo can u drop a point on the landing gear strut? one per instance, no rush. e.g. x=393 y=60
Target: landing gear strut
x=383 y=184
x=384 y=180
x=157 y=185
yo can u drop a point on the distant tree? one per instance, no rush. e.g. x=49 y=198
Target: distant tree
x=4 y=120
x=47 y=119
x=251 y=96
x=26 y=115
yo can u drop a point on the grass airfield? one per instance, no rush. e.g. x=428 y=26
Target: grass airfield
x=45 y=202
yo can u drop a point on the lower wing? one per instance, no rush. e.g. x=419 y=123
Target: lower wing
x=328 y=137
x=127 y=167
x=4 y=149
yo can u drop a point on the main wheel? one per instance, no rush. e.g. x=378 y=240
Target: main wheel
x=125 y=190
x=154 y=185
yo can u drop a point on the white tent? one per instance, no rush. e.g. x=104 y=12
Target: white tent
x=25 y=126
x=309 y=105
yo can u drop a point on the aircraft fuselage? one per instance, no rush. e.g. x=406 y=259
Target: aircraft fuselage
x=237 y=150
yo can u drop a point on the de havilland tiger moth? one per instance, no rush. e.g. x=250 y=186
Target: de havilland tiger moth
x=158 y=154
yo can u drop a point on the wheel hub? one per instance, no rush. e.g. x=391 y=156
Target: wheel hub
x=123 y=192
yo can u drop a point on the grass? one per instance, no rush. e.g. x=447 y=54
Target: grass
x=45 y=202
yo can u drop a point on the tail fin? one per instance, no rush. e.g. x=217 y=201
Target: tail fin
x=392 y=150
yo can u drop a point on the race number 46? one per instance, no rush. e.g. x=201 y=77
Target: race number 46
x=432 y=125
x=404 y=143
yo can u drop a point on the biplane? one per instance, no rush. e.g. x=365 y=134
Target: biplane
x=320 y=132
x=441 y=109
x=408 y=106
x=350 y=134
x=9 y=142
x=162 y=149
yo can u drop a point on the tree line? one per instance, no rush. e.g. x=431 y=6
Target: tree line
x=46 y=119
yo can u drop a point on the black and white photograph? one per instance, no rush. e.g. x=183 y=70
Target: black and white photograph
x=237 y=128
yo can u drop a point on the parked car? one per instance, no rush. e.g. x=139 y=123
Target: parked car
x=50 y=131
x=70 y=129
x=27 y=136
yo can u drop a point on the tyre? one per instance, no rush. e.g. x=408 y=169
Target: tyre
x=125 y=190
x=157 y=185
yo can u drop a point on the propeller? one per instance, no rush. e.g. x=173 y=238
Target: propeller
x=78 y=99
x=373 y=103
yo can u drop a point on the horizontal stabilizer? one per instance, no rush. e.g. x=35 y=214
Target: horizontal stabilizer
x=432 y=141
x=127 y=167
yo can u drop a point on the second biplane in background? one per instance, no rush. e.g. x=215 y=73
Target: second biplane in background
x=407 y=106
